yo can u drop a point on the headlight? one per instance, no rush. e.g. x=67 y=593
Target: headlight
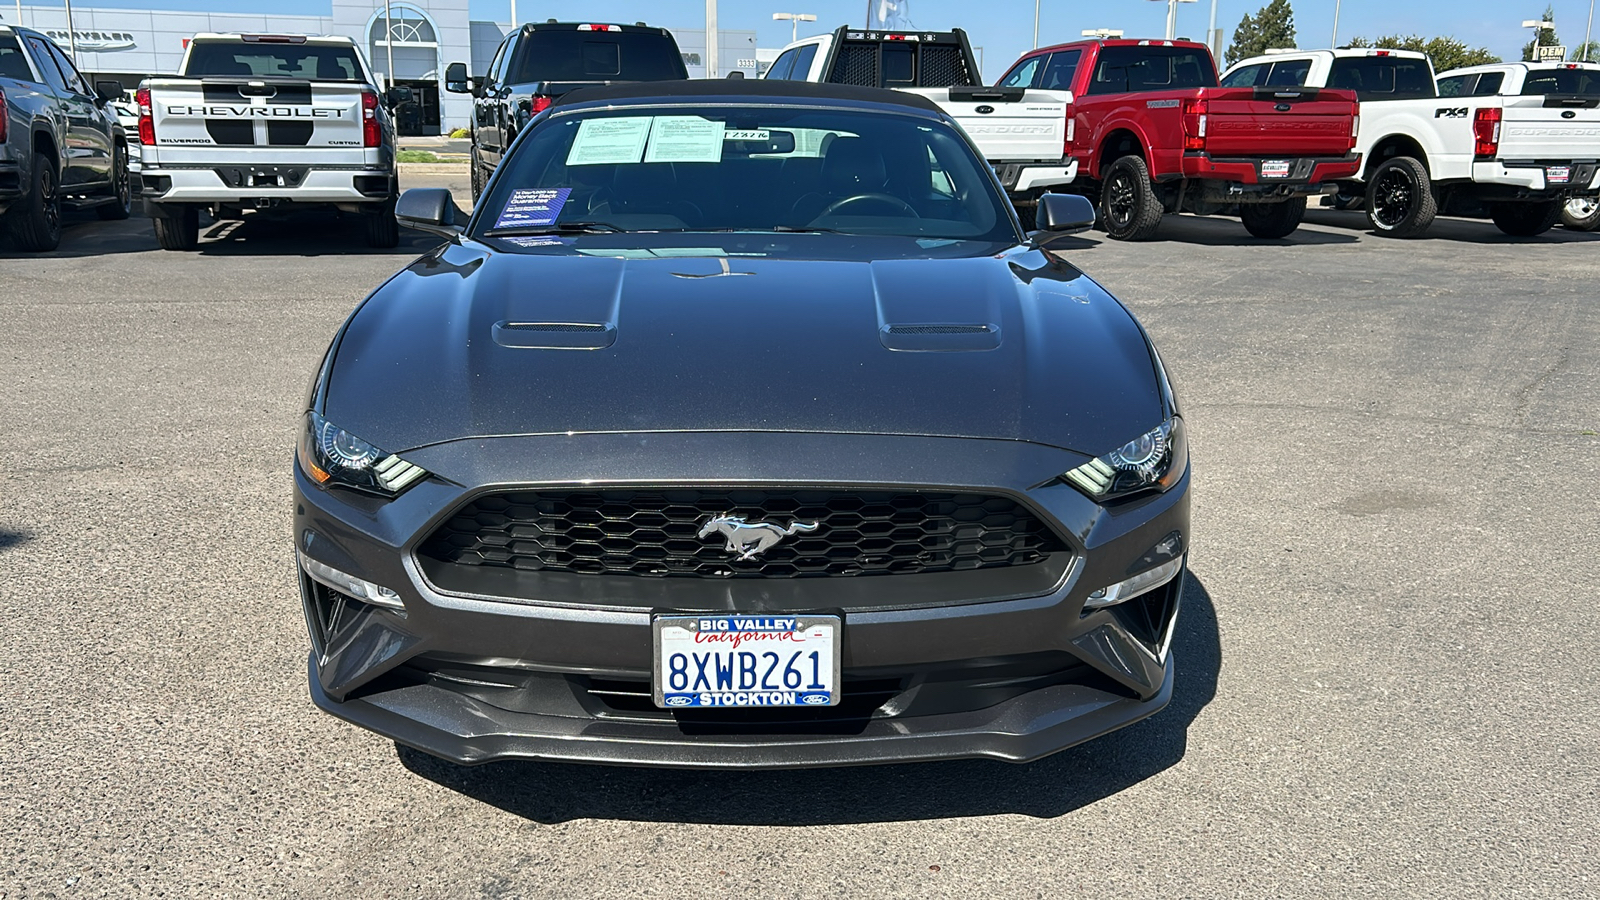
x=330 y=455
x=1153 y=460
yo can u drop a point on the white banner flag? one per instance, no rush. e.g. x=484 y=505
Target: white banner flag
x=889 y=14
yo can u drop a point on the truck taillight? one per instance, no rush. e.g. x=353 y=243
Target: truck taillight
x=371 y=130
x=147 y=119
x=5 y=116
x=1072 y=122
x=540 y=104
x=1194 y=124
x=1486 y=133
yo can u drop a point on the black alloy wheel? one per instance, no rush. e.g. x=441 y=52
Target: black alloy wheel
x=1400 y=201
x=37 y=224
x=122 y=206
x=1129 y=208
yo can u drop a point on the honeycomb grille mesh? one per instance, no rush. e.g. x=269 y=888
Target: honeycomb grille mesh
x=856 y=64
x=657 y=533
x=942 y=66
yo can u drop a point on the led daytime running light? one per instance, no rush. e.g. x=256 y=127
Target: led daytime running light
x=345 y=583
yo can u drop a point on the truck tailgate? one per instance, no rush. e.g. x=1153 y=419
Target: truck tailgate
x=228 y=115
x=1550 y=127
x=1287 y=121
x=1007 y=124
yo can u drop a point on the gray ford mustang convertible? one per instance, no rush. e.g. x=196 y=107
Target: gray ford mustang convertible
x=741 y=426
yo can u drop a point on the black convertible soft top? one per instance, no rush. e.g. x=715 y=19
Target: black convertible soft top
x=742 y=88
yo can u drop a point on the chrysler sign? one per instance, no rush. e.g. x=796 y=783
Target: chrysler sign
x=93 y=41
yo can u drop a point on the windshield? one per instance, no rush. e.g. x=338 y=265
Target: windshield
x=251 y=60
x=745 y=168
x=1579 y=82
x=571 y=55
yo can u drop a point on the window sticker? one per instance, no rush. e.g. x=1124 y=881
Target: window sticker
x=602 y=141
x=537 y=206
x=684 y=139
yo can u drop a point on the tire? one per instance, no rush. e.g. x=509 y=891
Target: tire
x=1525 y=219
x=1273 y=220
x=1400 y=201
x=477 y=180
x=1129 y=208
x=383 y=229
x=122 y=206
x=37 y=223
x=1581 y=214
x=180 y=232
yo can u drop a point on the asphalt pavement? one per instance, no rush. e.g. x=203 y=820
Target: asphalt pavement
x=1384 y=678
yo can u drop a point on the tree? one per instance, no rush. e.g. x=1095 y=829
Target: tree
x=1446 y=52
x=1271 y=27
x=1547 y=36
x=1589 y=52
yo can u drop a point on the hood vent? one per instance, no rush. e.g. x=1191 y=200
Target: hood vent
x=937 y=336
x=554 y=335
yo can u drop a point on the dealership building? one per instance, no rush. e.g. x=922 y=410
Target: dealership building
x=420 y=37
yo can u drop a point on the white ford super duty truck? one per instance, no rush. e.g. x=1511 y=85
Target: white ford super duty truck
x=260 y=122
x=1516 y=158
x=1572 y=86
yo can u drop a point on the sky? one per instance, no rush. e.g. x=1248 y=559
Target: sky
x=1004 y=28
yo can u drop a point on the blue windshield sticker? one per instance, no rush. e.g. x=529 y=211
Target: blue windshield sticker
x=540 y=206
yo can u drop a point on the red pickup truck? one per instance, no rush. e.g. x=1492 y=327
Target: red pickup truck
x=1151 y=133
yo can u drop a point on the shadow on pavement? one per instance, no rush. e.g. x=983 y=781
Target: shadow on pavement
x=10 y=538
x=308 y=233
x=85 y=234
x=1465 y=231
x=557 y=792
x=1228 y=231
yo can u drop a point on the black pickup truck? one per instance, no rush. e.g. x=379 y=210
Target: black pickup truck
x=539 y=62
x=60 y=145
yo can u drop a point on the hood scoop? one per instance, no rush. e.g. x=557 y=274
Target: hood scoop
x=555 y=335
x=937 y=336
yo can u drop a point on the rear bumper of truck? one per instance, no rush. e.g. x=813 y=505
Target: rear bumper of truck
x=248 y=185
x=1298 y=172
x=1021 y=177
x=1521 y=179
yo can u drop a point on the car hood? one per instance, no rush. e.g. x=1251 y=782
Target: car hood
x=468 y=343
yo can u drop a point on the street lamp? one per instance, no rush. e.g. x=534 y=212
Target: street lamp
x=1172 y=15
x=1103 y=33
x=794 y=20
x=1587 y=30
x=711 y=38
x=1537 y=25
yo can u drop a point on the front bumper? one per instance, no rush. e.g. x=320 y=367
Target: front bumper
x=248 y=185
x=1303 y=174
x=474 y=678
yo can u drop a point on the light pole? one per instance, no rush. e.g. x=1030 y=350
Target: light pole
x=711 y=38
x=1587 y=29
x=1213 y=40
x=1537 y=25
x=1335 y=41
x=388 y=40
x=72 y=36
x=1172 y=15
x=1035 y=22
x=794 y=20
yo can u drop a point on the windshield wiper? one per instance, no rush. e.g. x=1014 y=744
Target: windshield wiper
x=808 y=229
x=558 y=228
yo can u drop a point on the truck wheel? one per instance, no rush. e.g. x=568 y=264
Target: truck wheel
x=180 y=232
x=1273 y=220
x=119 y=208
x=1129 y=208
x=1582 y=214
x=383 y=229
x=37 y=226
x=477 y=181
x=1400 y=199
x=1525 y=219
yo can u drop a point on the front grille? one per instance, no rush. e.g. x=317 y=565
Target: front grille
x=657 y=533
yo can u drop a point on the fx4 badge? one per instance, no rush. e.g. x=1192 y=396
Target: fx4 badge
x=751 y=539
x=1451 y=112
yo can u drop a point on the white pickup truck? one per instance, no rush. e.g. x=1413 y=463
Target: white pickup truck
x=1517 y=159
x=1022 y=132
x=1577 y=87
x=259 y=122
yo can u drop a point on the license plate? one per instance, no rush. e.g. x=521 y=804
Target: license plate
x=1558 y=174
x=1275 y=168
x=722 y=661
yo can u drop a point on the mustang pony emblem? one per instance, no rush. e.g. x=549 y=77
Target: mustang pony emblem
x=751 y=539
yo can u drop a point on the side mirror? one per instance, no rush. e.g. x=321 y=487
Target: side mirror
x=428 y=209
x=398 y=95
x=456 y=80
x=1059 y=215
x=107 y=91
